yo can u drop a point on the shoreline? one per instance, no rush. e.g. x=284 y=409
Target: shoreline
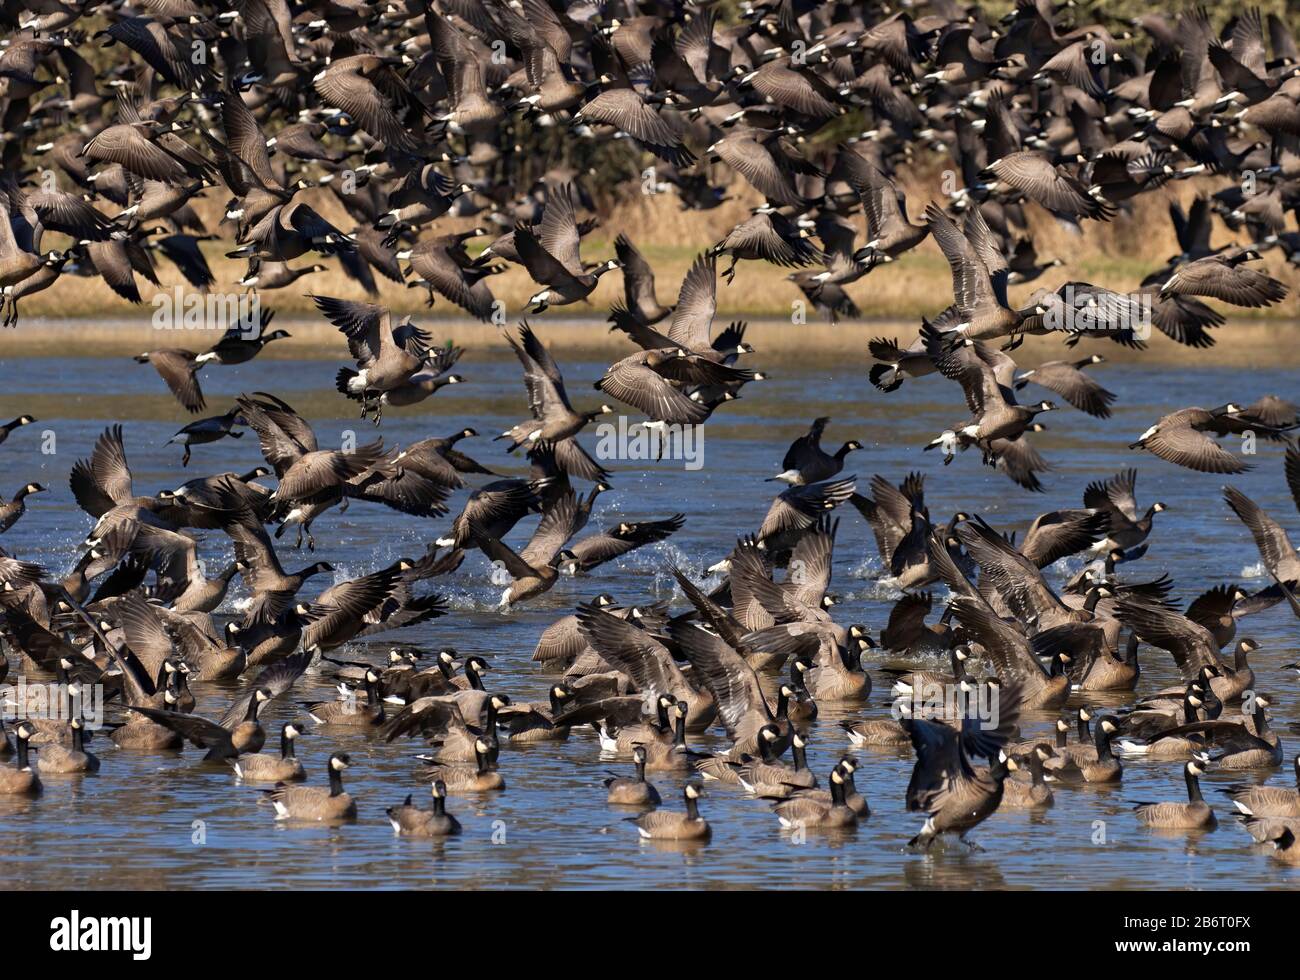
x=1240 y=343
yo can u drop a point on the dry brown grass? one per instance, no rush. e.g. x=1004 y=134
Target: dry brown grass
x=1115 y=254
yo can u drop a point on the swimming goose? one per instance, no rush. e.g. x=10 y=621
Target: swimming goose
x=1104 y=767
x=1267 y=801
x=261 y=768
x=632 y=790
x=803 y=812
x=1195 y=814
x=672 y=825
x=1244 y=744
x=347 y=711
x=411 y=821
x=20 y=778
x=1034 y=793
x=312 y=803
x=1283 y=834
x=61 y=759
x=481 y=777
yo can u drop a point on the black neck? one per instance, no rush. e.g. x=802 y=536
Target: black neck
x=800 y=753
x=336 y=782
x=286 y=746
x=640 y=770
x=692 y=807
x=1193 y=786
x=23 y=762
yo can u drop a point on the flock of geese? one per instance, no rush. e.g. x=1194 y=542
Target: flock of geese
x=407 y=113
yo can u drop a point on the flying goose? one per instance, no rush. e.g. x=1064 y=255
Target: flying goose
x=1180 y=438
x=806 y=462
x=10 y=512
x=554 y=419
x=945 y=784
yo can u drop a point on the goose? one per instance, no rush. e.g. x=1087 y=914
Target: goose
x=1115 y=498
x=621 y=721
x=978 y=288
x=1266 y=801
x=1193 y=646
x=20 y=778
x=1101 y=768
x=411 y=821
x=806 y=462
x=1067 y=379
x=623 y=538
x=8 y=427
x=1282 y=834
x=456 y=737
x=536 y=570
x=60 y=759
x=530 y=723
x=178 y=368
x=236 y=346
x=945 y=785
x=1195 y=814
x=985 y=379
x=803 y=812
x=227 y=740
x=15 y=508
x=1035 y=793
x=553 y=417
x=638 y=284
x=347 y=712
x=768 y=776
x=312 y=803
x=481 y=777
x=442 y=265
x=387 y=358
x=1180 y=438
x=438 y=460
x=854 y=800
x=1237 y=745
x=1223 y=277
x=889 y=232
x=1275 y=548
x=203 y=431
x=560 y=272
x=632 y=790
x=674 y=825
x=766 y=236
x=260 y=768
x=648 y=662
x=1035 y=176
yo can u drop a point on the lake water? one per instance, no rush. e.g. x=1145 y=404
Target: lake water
x=134 y=824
